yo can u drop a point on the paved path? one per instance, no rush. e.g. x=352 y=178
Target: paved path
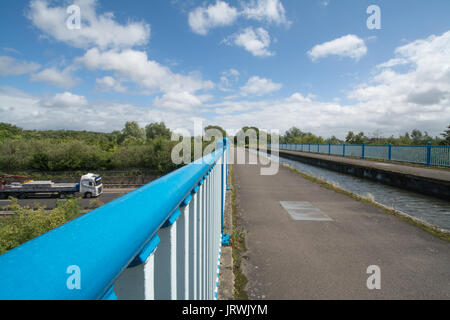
x=433 y=173
x=289 y=259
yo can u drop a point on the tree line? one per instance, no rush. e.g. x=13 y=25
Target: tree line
x=416 y=137
x=66 y=150
x=149 y=147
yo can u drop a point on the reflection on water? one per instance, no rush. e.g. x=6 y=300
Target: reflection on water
x=429 y=209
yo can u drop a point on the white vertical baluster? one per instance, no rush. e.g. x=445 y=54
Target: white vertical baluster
x=182 y=252
x=200 y=242
x=193 y=247
x=137 y=283
x=208 y=244
x=166 y=264
x=205 y=239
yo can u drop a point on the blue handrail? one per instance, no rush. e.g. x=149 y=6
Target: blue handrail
x=422 y=154
x=102 y=243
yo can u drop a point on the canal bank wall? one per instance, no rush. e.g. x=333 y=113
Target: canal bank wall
x=422 y=184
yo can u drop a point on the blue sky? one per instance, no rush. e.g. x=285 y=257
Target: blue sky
x=270 y=63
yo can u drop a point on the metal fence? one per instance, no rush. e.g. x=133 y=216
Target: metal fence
x=162 y=241
x=426 y=154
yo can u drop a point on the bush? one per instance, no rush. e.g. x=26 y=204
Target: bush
x=27 y=223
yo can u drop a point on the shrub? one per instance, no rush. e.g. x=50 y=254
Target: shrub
x=27 y=223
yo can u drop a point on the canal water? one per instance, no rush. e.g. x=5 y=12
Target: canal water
x=428 y=209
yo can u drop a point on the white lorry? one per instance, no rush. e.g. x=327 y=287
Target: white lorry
x=90 y=185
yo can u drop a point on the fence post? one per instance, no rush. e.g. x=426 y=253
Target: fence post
x=318 y=148
x=363 y=146
x=137 y=281
x=390 y=152
x=329 y=149
x=429 y=153
x=343 y=150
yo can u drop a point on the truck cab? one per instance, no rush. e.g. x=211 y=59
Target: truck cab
x=91 y=185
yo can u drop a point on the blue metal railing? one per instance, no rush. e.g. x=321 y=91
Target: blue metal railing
x=124 y=234
x=425 y=154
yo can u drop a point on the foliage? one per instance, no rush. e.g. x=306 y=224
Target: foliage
x=416 y=137
x=157 y=130
x=27 y=223
x=61 y=150
x=446 y=136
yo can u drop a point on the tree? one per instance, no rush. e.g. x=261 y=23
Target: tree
x=356 y=139
x=416 y=136
x=292 y=134
x=446 y=135
x=333 y=140
x=350 y=137
x=9 y=131
x=157 y=130
x=132 y=130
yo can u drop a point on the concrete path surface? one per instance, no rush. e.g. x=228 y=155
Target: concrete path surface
x=305 y=259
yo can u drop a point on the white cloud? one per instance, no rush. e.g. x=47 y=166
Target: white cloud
x=347 y=46
x=392 y=101
x=256 y=42
x=228 y=78
x=70 y=111
x=63 y=79
x=220 y=14
x=10 y=66
x=427 y=82
x=183 y=101
x=110 y=84
x=65 y=100
x=271 y=11
x=392 y=63
x=96 y=30
x=260 y=86
x=298 y=97
x=136 y=67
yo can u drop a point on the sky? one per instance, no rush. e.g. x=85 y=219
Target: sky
x=324 y=66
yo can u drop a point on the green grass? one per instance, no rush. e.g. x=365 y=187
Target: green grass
x=442 y=234
x=237 y=241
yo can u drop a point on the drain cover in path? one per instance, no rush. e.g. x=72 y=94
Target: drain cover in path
x=301 y=210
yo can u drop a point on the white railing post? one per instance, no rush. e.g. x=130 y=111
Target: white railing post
x=166 y=264
x=137 y=282
x=193 y=247
x=208 y=236
x=200 y=243
x=183 y=253
x=205 y=239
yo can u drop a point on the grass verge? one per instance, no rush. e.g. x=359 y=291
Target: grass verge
x=440 y=233
x=238 y=245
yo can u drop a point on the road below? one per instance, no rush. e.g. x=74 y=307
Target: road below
x=305 y=241
x=50 y=203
